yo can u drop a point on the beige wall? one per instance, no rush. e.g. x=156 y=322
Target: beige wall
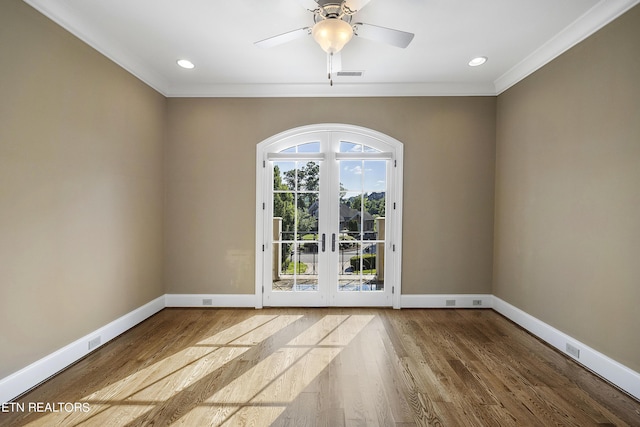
x=567 y=230
x=448 y=186
x=80 y=189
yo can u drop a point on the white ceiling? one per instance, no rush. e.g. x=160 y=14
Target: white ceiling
x=146 y=37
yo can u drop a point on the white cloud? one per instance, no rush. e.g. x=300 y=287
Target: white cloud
x=356 y=170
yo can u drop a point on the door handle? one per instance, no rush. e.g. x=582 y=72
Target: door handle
x=333 y=242
x=324 y=241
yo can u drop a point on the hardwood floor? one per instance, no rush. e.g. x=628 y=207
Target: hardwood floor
x=329 y=367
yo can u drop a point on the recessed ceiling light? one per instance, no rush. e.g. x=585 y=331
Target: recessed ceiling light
x=477 y=61
x=185 y=63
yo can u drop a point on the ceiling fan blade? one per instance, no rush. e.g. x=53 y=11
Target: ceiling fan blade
x=381 y=34
x=334 y=62
x=309 y=4
x=356 y=4
x=283 y=38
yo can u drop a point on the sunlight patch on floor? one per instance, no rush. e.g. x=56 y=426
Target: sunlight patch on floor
x=263 y=393
x=137 y=394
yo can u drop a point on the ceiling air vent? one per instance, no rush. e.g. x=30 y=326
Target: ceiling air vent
x=349 y=73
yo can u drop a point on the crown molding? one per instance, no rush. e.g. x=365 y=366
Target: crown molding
x=338 y=89
x=67 y=18
x=589 y=23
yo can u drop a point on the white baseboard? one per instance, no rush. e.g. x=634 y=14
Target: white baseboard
x=211 y=300
x=25 y=379
x=446 y=301
x=618 y=374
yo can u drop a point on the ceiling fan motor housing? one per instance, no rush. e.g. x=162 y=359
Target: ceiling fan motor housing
x=332 y=10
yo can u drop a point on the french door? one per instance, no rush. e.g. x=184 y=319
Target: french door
x=329 y=218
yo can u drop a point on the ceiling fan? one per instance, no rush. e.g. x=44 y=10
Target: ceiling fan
x=333 y=29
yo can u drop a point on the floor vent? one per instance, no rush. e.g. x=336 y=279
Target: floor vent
x=573 y=351
x=350 y=73
x=94 y=342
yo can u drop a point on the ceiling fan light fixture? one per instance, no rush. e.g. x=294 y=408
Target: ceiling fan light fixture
x=332 y=34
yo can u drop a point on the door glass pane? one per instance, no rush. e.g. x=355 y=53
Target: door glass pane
x=280 y=169
x=362 y=208
x=295 y=226
x=368 y=149
x=350 y=147
x=309 y=147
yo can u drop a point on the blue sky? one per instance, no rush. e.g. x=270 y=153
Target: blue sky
x=363 y=176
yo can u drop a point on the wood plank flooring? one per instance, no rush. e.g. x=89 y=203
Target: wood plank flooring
x=326 y=367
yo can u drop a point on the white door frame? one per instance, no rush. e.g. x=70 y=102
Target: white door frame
x=394 y=202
